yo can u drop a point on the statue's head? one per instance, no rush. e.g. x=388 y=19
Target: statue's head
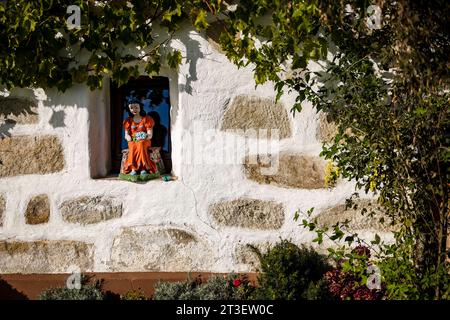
x=135 y=108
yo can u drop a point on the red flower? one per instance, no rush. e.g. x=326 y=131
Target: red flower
x=237 y=282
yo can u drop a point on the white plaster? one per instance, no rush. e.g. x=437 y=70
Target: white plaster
x=205 y=84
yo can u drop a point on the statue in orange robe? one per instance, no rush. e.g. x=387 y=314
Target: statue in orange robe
x=138 y=133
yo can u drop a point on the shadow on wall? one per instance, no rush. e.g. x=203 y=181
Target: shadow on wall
x=57 y=119
x=15 y=111
x=159 y=131
x=18 y=110
x=193 y=54
x=7 y=292
x=6 y=128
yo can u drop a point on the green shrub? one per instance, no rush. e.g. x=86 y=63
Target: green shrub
x=134 y=295
x=289 y=272
x=87 y=292
x=172 y=290
x=230 y=287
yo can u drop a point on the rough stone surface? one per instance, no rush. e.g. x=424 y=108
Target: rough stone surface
x=248 y=213
x=250 y=112
x=2 y=209
x=326 y=130
x=148 y=248
x=38 y=210
x=18 y=110
x=30 y=155
x=291 y=171
x=357 y=221
x=244 y=255
x=88 y=210
x=44 y=256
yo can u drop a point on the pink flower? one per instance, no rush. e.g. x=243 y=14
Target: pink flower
x=237 y=282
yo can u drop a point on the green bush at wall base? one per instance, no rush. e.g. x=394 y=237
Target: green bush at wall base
x=87 y=292
x=134 y=295
x=289 y=272
x=230 y=287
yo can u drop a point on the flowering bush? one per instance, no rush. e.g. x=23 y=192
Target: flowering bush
x=139 y=136
x=230 y=287
x=345 y=285
x=237 y=282
x=346 y=282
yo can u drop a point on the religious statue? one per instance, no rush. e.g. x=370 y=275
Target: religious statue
x=138 y=163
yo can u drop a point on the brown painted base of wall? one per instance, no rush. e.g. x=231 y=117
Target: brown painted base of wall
x=29 y=286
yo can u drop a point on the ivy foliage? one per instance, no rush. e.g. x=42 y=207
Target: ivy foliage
x=40 y=49
x=380 y=71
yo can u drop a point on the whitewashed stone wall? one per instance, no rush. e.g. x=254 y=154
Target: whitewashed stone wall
x=57 y=212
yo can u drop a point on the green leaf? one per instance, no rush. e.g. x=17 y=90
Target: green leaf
x=152 y=68
x=200 y=21
x=377 y=239
x=349 y=239
x=174 y=59
x=299 y=62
